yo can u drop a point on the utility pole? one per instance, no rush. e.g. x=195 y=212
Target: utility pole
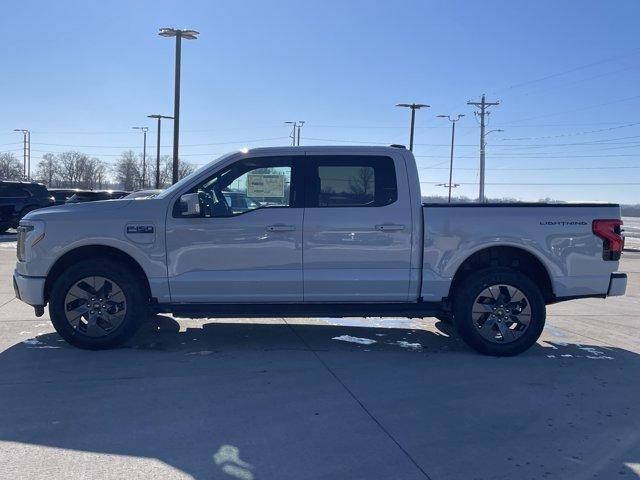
x=453 y=136
x=413 y=107
x=482 y=104
x=300 y=125
x=26 y=151
x=295 y=130
x=144 y=154
x=159 y=118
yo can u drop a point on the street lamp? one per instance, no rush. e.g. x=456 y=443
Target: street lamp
x=453 y=136
x=483 y=147
x=144 y=154
x=26 y=146
x=449 y=186
x=159 y=118
x=413 y=107
x=179 y=34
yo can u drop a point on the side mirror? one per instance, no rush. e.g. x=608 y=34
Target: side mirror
x=190 y=205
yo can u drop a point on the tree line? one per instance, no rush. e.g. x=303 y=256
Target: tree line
x=73 y=169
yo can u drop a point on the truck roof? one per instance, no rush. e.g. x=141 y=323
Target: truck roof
x=362 y=149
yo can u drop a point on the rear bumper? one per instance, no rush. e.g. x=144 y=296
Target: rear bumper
x=617 y=284
x=29 y=289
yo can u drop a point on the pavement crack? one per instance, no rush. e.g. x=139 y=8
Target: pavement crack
x=8 y=302
x=357 y=400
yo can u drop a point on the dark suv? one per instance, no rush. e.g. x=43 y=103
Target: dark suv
x=19 y=198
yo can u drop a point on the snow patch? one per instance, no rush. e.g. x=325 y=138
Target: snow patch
x=349 y=338
x=32 y=341
x=408 y=345
x=201 y=352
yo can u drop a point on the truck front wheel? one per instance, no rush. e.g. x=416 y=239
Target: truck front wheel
x=96 y=304
x=499 y=311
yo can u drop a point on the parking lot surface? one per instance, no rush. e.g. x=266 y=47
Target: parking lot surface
x=322 y=398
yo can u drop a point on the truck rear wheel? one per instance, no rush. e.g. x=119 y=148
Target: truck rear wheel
x=97 y=304
x=499 y=311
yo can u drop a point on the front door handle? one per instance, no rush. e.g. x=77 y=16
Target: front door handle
x=280 y=228
x=389 y=227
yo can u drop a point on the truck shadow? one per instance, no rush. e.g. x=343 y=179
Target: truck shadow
x=263 y=400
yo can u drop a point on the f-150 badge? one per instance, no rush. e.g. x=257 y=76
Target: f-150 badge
x=140 y=229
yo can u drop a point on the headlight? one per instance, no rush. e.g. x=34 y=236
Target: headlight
x=30 y=233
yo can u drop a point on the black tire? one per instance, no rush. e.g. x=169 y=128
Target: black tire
x=137 y=303
x=465 y=299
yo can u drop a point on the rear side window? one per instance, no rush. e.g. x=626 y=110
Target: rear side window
x=351 y=181
x=13 y=190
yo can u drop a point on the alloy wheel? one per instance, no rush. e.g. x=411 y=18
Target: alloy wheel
x=95 y=306
x=501 y=313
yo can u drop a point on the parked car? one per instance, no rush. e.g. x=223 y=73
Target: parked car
x=349 y=237
x=143 y=194
x=238 y=202
x=62 y=195
x=95 y=195
x=19 y=198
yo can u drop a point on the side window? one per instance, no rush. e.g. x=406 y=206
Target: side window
x=352 y=181
x=247 y=185
x=13 y=191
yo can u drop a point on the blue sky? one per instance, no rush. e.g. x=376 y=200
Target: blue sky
x=81 y=74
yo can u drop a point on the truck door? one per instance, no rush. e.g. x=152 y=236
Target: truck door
x=357 y=229
x=228 y=254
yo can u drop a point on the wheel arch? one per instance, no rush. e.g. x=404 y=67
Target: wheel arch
x=94 y=252
x=515 y=258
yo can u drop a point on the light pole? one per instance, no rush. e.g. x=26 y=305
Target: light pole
x=144 y=154
x=413 y=107
x=159 y=118
x=453 y=136
x=26 y=148
x=179 y=34
x=483 y=147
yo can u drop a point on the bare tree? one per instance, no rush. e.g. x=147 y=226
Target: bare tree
x=48 y=170
x=10 y=167
x=71 y=168
x=166 y=165
x=363 y=183
x=127 y=171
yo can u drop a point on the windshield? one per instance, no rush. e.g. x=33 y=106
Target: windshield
x=177 y=186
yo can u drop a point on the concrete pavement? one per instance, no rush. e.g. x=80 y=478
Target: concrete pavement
x=276 y=399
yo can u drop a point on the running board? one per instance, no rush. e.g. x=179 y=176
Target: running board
x=289 y=310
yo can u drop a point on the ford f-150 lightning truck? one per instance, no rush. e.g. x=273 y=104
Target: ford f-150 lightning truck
x=330 y=231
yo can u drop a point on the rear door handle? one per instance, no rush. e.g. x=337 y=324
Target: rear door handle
x=389 y=227
x=280 y=228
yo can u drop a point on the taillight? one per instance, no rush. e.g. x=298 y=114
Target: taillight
x=612 y=239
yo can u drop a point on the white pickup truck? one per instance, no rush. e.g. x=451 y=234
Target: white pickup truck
x=314 y=231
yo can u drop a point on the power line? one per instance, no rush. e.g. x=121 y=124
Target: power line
x=588 y=107
x=571 y=70
x=545 y=184
x=163 y=146
x=575 y=134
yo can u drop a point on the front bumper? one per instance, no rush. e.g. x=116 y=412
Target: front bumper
x=29 y=289
x=617 y=284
